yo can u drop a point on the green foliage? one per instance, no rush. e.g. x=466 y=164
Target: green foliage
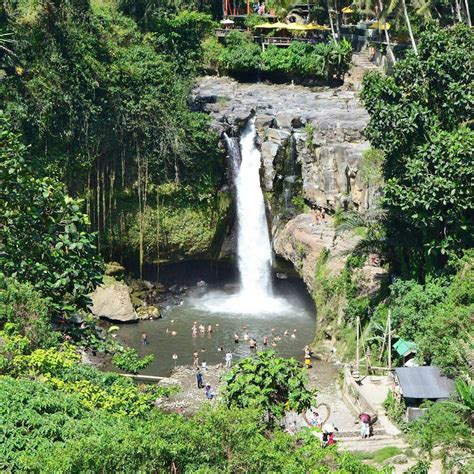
x=371 y=166
x=27 y=312
x=419 y=119
x=62 y=370
x=129 y=361
x=299 y=204
x=383 y=454
x=268 y=383
x=465 y=392
x=241 y=55
x=49 y=431
x=442 y=426
x=437 y=317
x=43 y=231
x=298 y=61
x=200 y=206
x=212 y=50
x=180 y=36
x=412 y=305
x=309 y=135
x=104 y=106
x=395 y=409
x=422 y=466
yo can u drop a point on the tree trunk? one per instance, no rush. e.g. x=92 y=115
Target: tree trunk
x=468 y=13
x=458 y=10
x=97 y=211
x=140 y=211
x=331 y=22
x=111 y=196
x=88 y=196
x=104 y=207
x=410 y=31
x=387 y=36
x=338 y=20
x=158 y=232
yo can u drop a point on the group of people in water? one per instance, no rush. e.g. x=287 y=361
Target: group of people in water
x=252 y=341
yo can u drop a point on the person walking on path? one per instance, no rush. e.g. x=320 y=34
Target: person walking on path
x=199 y=378
x=364 y=419
x=228 y=360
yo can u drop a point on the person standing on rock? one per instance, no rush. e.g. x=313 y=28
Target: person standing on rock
x=228 y=359
x=199 y=378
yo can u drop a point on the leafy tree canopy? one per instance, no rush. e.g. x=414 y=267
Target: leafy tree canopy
x=43 y=232
x=420 y=118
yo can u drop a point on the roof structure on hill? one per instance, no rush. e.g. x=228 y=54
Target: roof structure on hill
x=404 y=348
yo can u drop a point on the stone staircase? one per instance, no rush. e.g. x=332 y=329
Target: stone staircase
x=362 y=60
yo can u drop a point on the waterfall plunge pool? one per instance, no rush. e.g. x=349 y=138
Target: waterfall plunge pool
x=213 y=304
x=254 y=305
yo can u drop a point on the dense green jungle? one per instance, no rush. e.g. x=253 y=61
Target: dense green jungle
x=105 y=158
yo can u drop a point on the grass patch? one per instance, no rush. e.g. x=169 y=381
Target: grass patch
x=378 y=456
x=383 y=454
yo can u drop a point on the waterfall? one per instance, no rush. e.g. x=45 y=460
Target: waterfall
x=254 y=248
x=254 y=251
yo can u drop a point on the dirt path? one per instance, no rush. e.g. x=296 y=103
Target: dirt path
x=323 y=376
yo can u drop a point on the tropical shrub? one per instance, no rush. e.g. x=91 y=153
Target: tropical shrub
x=443 y=426
x=49 y=431
x=27 y=312
x=268 y=383
x=128 y=360
x=241 y=54
x=212 y=50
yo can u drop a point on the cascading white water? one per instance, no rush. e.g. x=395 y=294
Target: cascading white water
x=254 y=251
x=254 y=248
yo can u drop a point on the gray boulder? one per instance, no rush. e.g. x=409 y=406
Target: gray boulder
x=112 y=301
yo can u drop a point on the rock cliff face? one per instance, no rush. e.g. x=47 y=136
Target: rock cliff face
x=318 y=133
x=312 y=144
x=302 y=241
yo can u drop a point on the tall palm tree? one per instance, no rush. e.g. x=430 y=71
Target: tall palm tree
x=383 y=16
x=401 y=4
x=331 y=22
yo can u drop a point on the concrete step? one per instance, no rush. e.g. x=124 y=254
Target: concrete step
x=377 y=432
x=371 y=444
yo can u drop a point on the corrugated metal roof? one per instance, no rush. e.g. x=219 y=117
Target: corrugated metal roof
x=424 y=382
